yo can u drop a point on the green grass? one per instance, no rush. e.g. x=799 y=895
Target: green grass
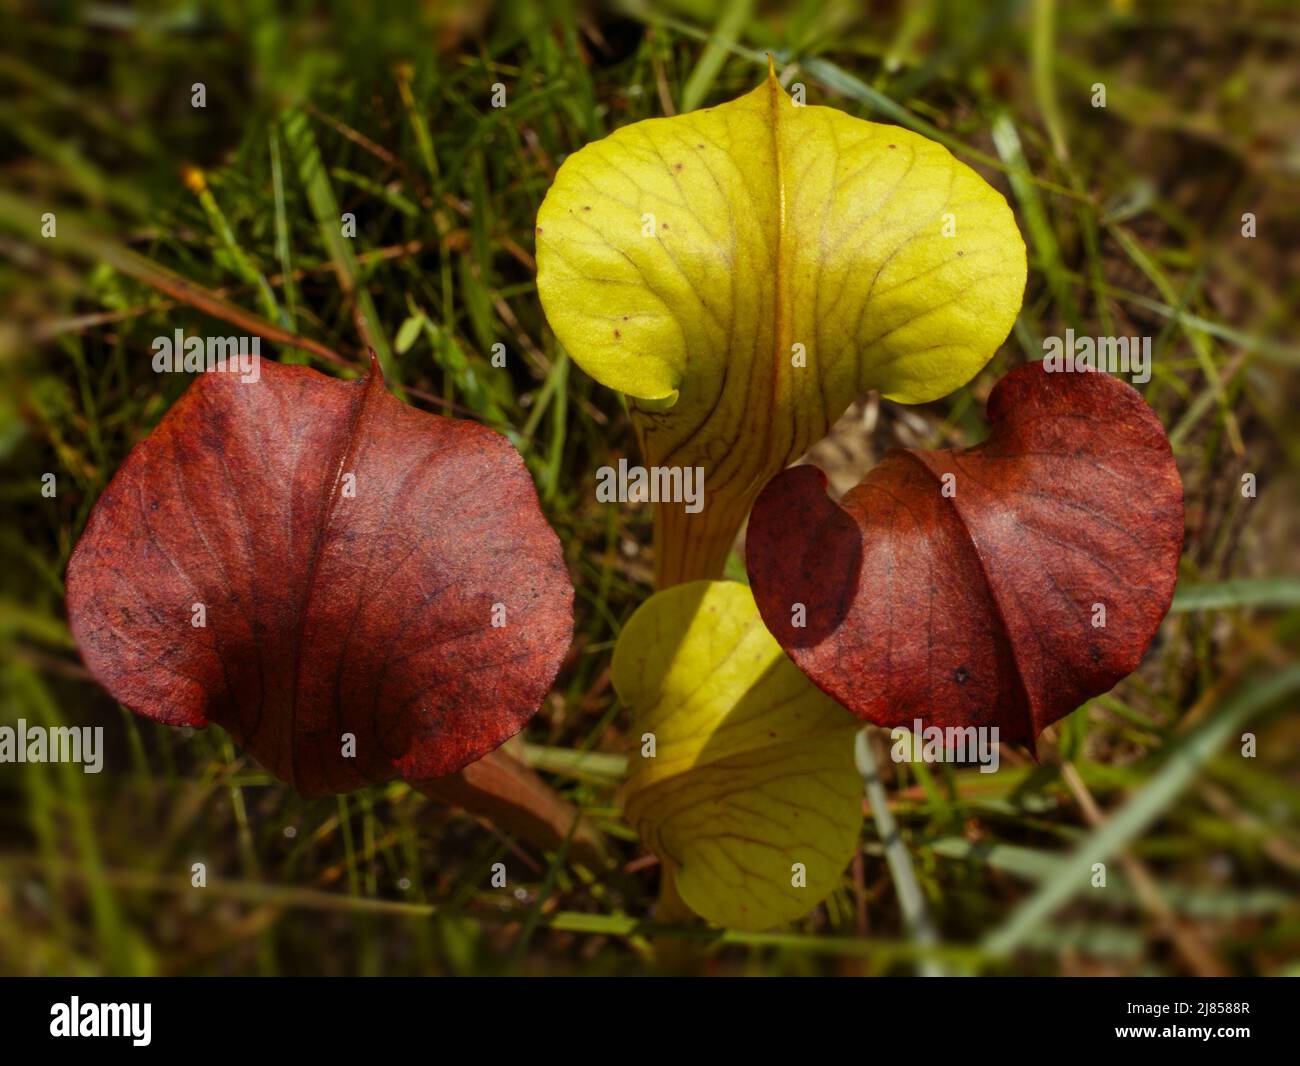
x=1132 y=218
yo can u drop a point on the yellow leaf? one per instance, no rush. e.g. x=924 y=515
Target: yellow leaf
x=744 y=272
x=752 y=771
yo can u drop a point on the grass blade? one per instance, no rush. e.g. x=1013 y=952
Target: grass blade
x=1187 y=755
x=1239 y=592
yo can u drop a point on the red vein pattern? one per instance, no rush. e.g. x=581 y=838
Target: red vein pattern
x=979 y=607
x=348 y=552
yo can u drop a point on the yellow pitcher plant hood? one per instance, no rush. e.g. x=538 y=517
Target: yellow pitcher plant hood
x=749 y=795
x=744 y=272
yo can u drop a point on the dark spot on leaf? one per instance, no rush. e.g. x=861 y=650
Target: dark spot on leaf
x=960 y=675
x=617 y=334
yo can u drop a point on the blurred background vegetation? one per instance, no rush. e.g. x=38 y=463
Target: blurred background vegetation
x=171 y=216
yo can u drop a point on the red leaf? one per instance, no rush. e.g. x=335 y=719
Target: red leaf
x=978 y=608
x=327 y=612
